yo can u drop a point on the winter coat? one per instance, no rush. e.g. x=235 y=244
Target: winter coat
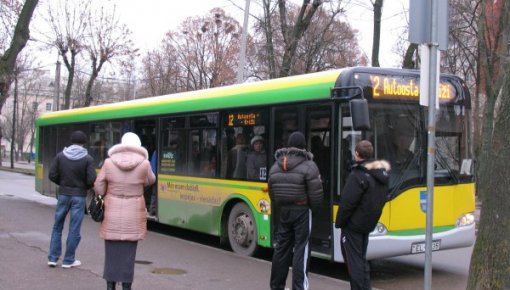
x=363 y=196
x=294 y=179
x=73 y=170
x=254 y=163
x=122 y=180
x=236 y=162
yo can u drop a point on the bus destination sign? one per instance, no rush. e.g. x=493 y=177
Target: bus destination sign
x=393 y=87
x=243 y=119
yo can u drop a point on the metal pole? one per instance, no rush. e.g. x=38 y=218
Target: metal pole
x=134 y=88
x=57 y=87
x=431 y=146
x=14 y=109
x=242 y=57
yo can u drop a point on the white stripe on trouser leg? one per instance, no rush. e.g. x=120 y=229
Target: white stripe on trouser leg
x=305 y=259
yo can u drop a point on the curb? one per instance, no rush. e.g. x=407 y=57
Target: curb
x=19 y=170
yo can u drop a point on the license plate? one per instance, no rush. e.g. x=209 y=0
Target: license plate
x=420 y=247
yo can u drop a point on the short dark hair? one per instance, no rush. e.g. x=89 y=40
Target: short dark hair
x=365 y=149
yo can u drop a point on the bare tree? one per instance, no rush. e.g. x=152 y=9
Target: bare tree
x=292 y=34
x=9 y=56
x=108 y=40
x=68 y=21
x=326 y=43
x=490 y=261
x=203 y=53
x=376 y=39
x=128 y=74
x=462 y=55
x=161 y=71
x=28 y=96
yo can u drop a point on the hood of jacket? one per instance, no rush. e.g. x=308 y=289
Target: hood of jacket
x=75 y=152
x=127 y=157
x=379 y=170
x=289 y=158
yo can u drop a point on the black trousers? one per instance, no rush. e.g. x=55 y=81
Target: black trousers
x=354 y=249
x=292 y=247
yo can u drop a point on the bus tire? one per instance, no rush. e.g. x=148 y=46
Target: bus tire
x=242 y=230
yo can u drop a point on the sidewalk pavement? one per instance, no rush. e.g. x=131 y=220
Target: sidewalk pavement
x=20 y=166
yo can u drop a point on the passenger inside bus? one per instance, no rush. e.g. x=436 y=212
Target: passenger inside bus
x=256 y=161
x=209 y=169
x=236 y=161
x=99 y=152
x=402 y=155
x=320 y=155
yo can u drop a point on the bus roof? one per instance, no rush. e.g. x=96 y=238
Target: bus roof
x=306 y=87
x=287 y=89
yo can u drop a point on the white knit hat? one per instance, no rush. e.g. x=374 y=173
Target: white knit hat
x=131 y=139
x=256 y=138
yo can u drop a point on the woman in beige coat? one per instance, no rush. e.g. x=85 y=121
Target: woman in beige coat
x=121 y=181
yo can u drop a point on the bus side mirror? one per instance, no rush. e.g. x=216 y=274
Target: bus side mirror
x=359 y=113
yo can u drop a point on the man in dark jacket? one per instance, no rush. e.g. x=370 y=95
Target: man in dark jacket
x=74 y=171
x=361 y=205
x=295 y=189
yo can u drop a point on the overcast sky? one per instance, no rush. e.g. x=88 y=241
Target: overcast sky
x=149 y=20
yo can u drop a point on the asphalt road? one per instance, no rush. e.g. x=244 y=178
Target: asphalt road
x=162 y=262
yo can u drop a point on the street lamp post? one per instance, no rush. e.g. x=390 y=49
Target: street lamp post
x=14 y=109
x=3 y=121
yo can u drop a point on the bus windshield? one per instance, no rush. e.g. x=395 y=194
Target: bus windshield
x=399 y=135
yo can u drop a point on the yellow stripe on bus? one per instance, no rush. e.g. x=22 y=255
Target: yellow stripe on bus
x=209 y=191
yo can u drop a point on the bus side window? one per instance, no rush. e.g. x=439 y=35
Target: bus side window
x=239 y=129
x=203 y=153
x=173 y=147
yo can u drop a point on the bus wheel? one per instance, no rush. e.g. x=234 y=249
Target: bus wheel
x=242 y=231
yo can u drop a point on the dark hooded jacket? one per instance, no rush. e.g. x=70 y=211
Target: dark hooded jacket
x=363 y=196
x=294 y=179
x=73 y=170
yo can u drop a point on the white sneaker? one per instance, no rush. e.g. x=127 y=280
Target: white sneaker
x=52 y=264
x=76 y=263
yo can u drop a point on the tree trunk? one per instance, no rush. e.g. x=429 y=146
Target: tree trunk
x=490 y=262
x=268 y=30
x=408 y=58
x=378 y=4
x=291 y=38
x=70 y=78
x=90 y=85
x=18 y=42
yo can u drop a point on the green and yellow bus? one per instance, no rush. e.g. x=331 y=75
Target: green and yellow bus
x=207 y=180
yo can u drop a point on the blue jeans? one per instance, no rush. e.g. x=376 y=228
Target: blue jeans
x=75 y=205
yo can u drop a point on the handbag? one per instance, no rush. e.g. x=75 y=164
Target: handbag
x=96 y=208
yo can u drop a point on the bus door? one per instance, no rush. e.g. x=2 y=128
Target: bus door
x=49 y=137
x=318 y=133
x=315 y=121
x=146 y=129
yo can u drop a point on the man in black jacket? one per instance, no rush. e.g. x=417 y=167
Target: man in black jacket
x=74 y=171
x=361 y=205
x=295 y=189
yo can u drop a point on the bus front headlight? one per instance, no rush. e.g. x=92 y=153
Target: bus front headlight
x=380 y=230
x=465 y=220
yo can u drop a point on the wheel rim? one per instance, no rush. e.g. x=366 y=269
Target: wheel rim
x=242 y=230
